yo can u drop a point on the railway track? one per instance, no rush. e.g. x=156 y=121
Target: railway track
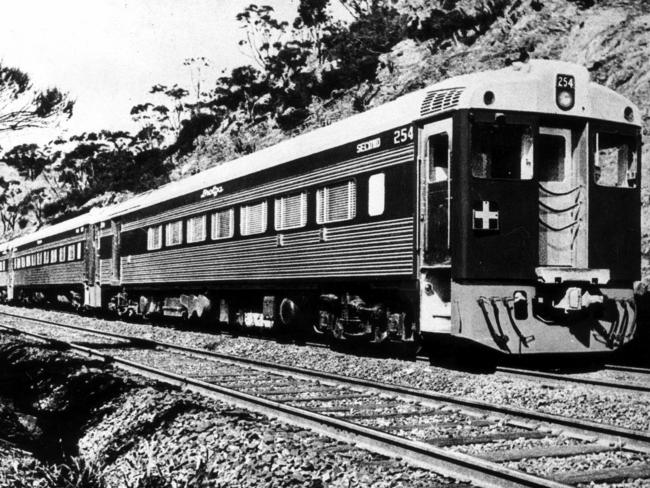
x=565 y=378
x=454 y=436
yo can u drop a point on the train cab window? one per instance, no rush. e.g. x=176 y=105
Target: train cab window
x=552 y=155
x=54 y=256
x=79 y=256
x=439 y=157
x=174 y=233
x=502 y=151
x=223 y=224
x=376 y=194
x=335 y=203
x=291 y=211
x=154 y=237
x=71 y=252
x=253 y=219
x=196 y=229
x=615 y=160
x=62 y=254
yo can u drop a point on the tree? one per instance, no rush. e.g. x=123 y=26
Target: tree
x=12 y=206
x=22 y=106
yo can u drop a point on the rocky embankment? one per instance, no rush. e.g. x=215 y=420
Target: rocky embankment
x=68 y=421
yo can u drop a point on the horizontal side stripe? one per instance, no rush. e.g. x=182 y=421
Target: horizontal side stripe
x=344 y=169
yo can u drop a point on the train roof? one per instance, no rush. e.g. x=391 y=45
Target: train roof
x=522 y=87
x=526 y=87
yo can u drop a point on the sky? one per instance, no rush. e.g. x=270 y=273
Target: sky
x=108 y=53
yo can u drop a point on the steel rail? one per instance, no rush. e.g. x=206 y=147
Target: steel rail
x=447 y=463
x=627 y=369
x=580 y=427
x=571 y=379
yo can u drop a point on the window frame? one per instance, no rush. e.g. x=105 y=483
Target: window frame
x=62 y=254
x=382 y=176
x=214 y=223
x=595 y=153
x=189 y=238
x=244 y=219
x=168 y=225
x=320 y=197
x=279 y=211
x=150 y=230
x=72 y=256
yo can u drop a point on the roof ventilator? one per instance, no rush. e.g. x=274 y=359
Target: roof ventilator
x=440 y=100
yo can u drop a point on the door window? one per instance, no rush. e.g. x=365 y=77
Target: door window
x=439 y=158
x=502 y=151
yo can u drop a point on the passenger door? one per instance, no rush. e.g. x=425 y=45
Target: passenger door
x=435 y=155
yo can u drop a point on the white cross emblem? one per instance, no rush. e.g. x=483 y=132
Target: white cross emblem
x=486 y=218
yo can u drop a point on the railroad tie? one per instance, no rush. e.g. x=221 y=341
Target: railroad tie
x=614 y=475
x=442 y=425
x=484 y=439
x=376 y=415
x=546 y=451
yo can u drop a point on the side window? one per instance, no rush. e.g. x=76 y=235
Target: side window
x=154 y=237
x=223 y=224
x=439 y=157
x=615 y=160
x=376 y=194
x=61 y=254
x=79 y=256
x=253 y=219
x=502 y=151
x=335 y=203
x=174 y=233
x=46 y=256
x=39 y=258
x=71 y=252
x=54 y=256
x=291 y=211
x=196 y=229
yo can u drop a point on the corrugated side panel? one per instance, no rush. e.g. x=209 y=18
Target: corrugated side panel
x=52 y=245
x=376 y=249
x=105 y=266
x=51 y=274
x=347 y=168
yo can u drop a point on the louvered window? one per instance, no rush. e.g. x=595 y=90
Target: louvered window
x=291 y=211
x=61 y=254
x=39 y=259
x=29 y=260
x=174 y=233
x=46 y=257
x=196 y=229
x=154 y=237
x=71 y=252
x=336 y=202
x=223 y=224
x=253 y=219
x=54 y=256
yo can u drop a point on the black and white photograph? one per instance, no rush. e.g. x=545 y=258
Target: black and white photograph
x=325 y=243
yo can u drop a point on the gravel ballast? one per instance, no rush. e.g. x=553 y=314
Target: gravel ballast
x=629 y=410
x=134 y=430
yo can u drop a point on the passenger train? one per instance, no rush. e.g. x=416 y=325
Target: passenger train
x=500 y=207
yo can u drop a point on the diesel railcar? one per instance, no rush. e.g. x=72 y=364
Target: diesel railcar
x=501 y=207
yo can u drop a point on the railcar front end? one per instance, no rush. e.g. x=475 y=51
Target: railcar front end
x=530 y=213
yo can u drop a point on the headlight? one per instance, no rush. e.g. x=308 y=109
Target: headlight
x=565 y=99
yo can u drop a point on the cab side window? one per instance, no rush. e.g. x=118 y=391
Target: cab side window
x=439 y=157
